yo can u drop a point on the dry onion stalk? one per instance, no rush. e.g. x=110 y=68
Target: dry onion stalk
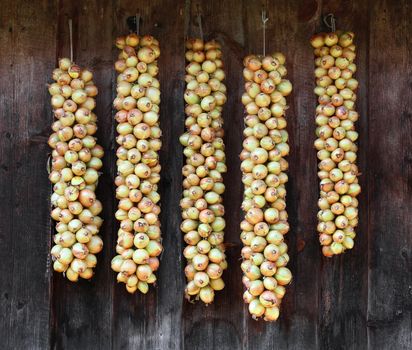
x=137 y=102
x=335 y=120
x=76 y=160
x=202 y=209
x=264 y=167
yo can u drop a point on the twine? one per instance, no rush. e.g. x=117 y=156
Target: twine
x=264 y=20
x=199 y=21
x=137 y=19
x=71 y=38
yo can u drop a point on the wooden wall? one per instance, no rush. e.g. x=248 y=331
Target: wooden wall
x=361 y=300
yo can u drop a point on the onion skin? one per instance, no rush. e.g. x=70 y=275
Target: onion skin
x=264 y=168
x=76 y=159
x=138 y=169
x=335 y=143
x=202 y=208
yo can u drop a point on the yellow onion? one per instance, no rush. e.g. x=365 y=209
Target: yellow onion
x=335 y=145
x=137 y=104
x=75 y=161
x=263 y=167
x=202 y=209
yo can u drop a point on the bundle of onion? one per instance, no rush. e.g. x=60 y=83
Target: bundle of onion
x=76 y=160
x=335 y=119
x=263 y=166
x=202 y=209
x=137 y=104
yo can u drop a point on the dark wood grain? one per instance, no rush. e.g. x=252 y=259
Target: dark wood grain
x=128 y=323
x=361 y=300
x=287 y=33
x=154 y=320
x=220 y=324
x=390 y=181
x=7 y=135
x=344 y=280
x=25 y=275
x=83 y=310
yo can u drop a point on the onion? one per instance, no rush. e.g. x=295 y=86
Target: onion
x=143 y=272
x=78 y=265
x=80 y=250
x=71 y=275
x=86 y=274
x=207 y=294
x=263 y=167
x=256 y=308
x=116 y=263
x=138 y=162
x=191 y=289
x=283 y=276
x=202 y=210
x=128 y=267
x=65 y=256
x=201 y=279
x=336 y=88
x=217 y=284
x=73 y=158
x=59 y=267
x=271 y=313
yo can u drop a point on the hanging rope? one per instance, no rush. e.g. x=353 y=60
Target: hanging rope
x=137 y=19
x=71 y=38
x=264 y=20
x=330 y=21
x=199 y=21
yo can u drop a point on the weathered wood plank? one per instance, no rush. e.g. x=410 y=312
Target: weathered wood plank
x=82 y=312
x=292 y=24
x=356 y=301
x=343 y=279
x=154 y=320
x=24 y=220
x=390 y=190
x=288 y=30
x=220 y=325
x=8 y=133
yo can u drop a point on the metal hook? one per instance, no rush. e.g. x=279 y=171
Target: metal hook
x=330 y=21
